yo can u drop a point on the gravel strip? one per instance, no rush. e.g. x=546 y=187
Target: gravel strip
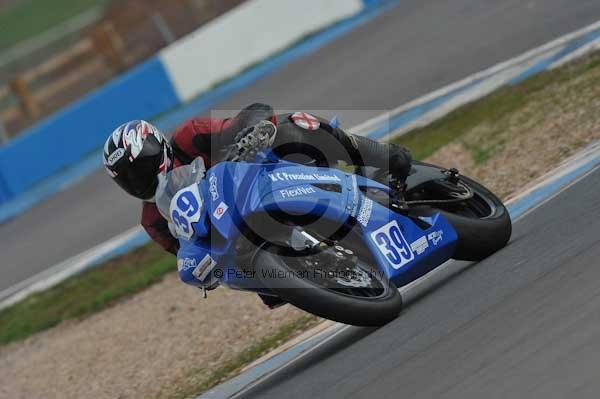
x=151 y=345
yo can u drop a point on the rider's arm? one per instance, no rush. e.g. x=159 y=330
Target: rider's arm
x=192 y=139
x=158 y=228
x=196 y=265
x=206 y=137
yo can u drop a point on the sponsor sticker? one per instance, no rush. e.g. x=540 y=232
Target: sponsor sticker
x=305 y=121
x=204 y=268
x=115 y=156
x=420 y=246
x=364 y=215
x=220 y=210
x=297 y=192
x=436 y=237
x=185 y=264
x=212 y=187
x=355 y=201
x=283 y=176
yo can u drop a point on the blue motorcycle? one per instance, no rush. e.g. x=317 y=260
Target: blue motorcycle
x=333 y=243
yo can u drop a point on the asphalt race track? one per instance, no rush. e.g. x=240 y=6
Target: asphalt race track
x=521 y=324
x=417 y=47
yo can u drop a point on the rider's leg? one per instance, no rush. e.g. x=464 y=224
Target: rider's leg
x=333 y=144
x=386 y=156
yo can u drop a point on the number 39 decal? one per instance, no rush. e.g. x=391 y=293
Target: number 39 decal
x=393 y=245
x=185 y=210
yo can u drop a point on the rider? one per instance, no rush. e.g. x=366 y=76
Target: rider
x=136 y=153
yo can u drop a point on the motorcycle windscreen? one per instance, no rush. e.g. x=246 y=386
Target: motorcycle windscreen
x=170 y=183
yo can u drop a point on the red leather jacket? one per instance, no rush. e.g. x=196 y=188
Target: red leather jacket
x=196 y=138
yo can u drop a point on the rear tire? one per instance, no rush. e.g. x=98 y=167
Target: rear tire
x=480 y=237
x=330 y=304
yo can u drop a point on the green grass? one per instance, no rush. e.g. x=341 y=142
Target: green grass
x=32 y=17
x=250 y=354
x=85 y=293
x=492 y=109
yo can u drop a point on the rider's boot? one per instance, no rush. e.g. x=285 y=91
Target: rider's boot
x=273 y=302
x=400 y=165
x=251 y=140
x=398 y=186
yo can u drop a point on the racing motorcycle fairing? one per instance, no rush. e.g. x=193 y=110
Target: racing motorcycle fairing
x=403 y=248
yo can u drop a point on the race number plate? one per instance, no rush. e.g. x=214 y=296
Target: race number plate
x=393 y=245
x=185 y=209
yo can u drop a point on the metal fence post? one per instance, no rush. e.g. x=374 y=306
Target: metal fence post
x=3 y=134
x=163 y=28
x=109 y=43
x=21 y=90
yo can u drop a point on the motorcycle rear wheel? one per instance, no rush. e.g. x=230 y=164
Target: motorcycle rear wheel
x=482 y=222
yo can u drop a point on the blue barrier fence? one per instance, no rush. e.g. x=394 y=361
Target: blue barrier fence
x=69 y=135
x=72 y=134
x=372 y=3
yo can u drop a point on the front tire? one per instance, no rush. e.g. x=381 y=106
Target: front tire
x=350 y=306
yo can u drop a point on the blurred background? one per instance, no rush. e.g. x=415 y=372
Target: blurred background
x=53 y=52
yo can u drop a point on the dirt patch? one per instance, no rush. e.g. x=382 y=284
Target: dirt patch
x=156 y=344
x=553 y=124
x=453 y=155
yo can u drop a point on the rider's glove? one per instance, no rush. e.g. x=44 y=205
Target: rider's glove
x=252 y=140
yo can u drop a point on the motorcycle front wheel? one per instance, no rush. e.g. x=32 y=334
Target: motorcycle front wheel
x=332 y=283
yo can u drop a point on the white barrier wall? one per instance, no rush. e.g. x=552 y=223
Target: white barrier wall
x=244 y=36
